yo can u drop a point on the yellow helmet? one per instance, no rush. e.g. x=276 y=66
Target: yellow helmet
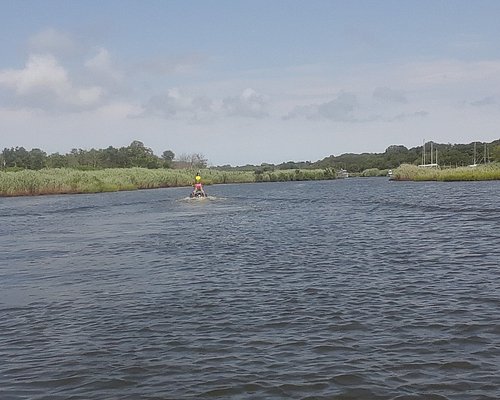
x=198 y=178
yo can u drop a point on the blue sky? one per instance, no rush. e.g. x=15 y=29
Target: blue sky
x=248 y=81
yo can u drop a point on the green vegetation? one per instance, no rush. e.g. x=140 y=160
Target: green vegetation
x=294 y=175
x=138 y=155
x=484 y=172
x=66 y=180
x=374 y=172
x=134 y=155
x=33 y=172
x=451 y=155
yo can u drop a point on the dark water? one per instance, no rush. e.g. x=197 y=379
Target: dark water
x=352 y=289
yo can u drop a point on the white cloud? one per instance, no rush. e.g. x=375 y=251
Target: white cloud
x=90 y=95
x=101 y=65
x=44 y=83
x=174 y=104
x=339 y=109
x=40 y=72
x=249 y=104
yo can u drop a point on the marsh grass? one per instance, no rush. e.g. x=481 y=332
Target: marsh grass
x=295 y=175
x=65 y=180
x=407 y=172
x=371 y=172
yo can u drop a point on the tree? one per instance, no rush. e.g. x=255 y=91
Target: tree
x=167 y=157
x=56 y=160
x=17 y=157
x=191 y=161
x=141 y=156
x=495 y=153
x=38 y=159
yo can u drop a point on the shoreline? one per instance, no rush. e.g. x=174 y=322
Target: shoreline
x=70 y=181
x=414 y=173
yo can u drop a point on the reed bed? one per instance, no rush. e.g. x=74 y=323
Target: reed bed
x=295 y=175
x=486 y=172
x=65 y=180
x=371 y=172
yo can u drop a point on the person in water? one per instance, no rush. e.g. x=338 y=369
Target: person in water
x=198 y=187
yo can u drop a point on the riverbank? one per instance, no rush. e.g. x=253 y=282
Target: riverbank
x=485 y=172
x=71 y=181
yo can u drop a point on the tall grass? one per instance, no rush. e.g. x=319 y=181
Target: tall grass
x=295 y=175
x=64 y=180
x=407 y=172
x=371 y=172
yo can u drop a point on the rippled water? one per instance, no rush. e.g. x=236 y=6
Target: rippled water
x=350 y=289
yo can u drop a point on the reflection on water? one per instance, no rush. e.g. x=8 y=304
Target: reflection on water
x=351 y=289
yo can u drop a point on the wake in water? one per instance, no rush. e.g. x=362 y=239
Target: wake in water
x=207 y=198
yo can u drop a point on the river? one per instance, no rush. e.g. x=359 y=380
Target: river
x=346 y=289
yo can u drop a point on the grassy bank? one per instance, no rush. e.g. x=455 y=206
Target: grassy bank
x=486 y=172
x=63 y=180
x=371 y=172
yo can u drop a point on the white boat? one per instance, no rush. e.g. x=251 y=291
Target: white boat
x=342 y=173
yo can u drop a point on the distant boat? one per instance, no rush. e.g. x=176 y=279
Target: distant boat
x=342 y=173
x=390 y=174
x=432 y=164
x=475 y=163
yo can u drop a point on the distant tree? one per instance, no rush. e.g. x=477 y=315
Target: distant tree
x=17 y=157
x=495 y=153
x=167 y=158
x=7 y=158
x=191 y=161
x=141 y=156
x=56 y=160
x=37 y=159
x=394 y=156
x=199 y=161
x=396 y=149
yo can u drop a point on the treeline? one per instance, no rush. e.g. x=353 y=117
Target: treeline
x=138 y=155
x=370 y=164
x=453 y=155
x=134 y=155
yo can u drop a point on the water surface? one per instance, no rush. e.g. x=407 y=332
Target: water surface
x=348 y=289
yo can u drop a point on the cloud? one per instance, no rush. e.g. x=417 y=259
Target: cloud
x=339 y=109
x=486 y=101
x=249 y=104
x=40 y=72
x=44 y=83
x=174 y=64
x=451 y=72
x=406 y=116
x=173 y=104
x=101 y=65
x=51 y=41
x=389 y=95
x=177 y=105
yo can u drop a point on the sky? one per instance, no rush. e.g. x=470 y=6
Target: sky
x=248 y=81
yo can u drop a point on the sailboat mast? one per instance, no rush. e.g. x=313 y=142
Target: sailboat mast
x=423 y=153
